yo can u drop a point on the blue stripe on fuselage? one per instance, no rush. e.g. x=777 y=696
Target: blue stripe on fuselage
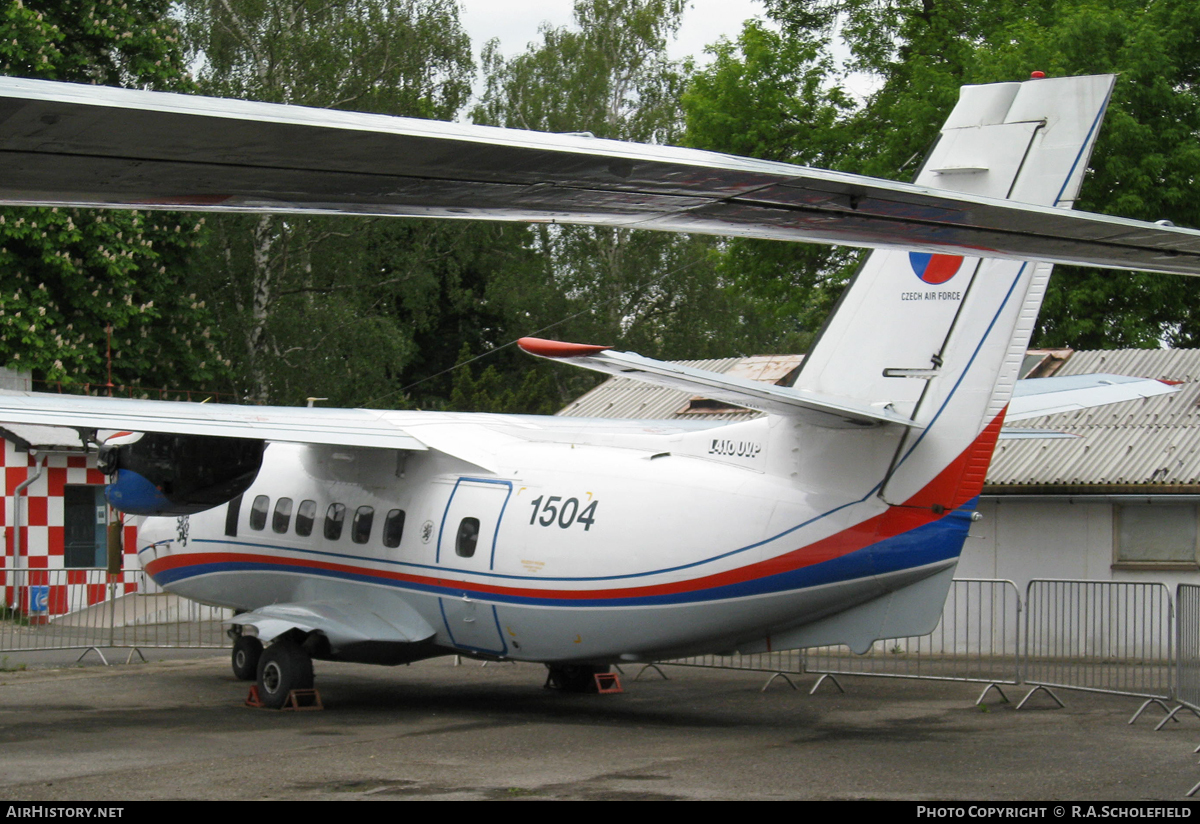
x=939 y=540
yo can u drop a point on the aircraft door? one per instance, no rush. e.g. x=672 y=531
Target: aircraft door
x=467 y=542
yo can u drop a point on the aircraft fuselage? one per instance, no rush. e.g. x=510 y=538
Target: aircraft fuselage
x=578 y=544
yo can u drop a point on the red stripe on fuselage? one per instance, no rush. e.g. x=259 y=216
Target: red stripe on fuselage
x=953 y=486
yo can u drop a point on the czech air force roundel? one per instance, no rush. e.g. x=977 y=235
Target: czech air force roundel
x=934 y=269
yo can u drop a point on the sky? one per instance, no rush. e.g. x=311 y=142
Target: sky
x=515 y=22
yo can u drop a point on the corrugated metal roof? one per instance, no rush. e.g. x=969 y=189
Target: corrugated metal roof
x=635 y=400
x=43 y=438
x=1149 y=443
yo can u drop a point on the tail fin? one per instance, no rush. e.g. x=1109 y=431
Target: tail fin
x=940 y=338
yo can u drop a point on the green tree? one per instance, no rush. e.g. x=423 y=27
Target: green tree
x=609 y=75
x=774 y=94
x=71 y=274
x=496 y=390
x=1146 y=163
x=328 y=307
x=921 y=51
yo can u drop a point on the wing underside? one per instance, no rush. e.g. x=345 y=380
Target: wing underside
x=63 y=144
x=340 y=427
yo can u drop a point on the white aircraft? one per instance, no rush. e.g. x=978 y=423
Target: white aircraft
x=388 y=537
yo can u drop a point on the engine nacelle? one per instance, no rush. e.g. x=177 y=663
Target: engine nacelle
x=165 y=474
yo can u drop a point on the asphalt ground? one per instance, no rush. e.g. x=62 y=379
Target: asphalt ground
x=176 y=728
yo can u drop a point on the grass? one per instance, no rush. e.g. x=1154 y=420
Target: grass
x=4 y=667
x=13 y=615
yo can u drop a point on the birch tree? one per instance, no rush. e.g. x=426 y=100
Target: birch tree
x=316 y=312
x=609 y=75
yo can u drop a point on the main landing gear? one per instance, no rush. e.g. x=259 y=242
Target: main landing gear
x=284 y=666
x=246 y=652
x=574 y=677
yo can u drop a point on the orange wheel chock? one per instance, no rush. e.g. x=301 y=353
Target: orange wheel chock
x=608 y=682
x=297 y=700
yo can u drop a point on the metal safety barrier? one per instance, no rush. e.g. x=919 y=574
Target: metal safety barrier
x=1187 y=654
x=778 y=664
x=1187 y=646
x=89 y=609
x=977 y=639
x=1100 y=636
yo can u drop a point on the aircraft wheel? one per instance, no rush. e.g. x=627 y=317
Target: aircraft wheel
x=282 y=668
x=574 y=677
x=246 y=652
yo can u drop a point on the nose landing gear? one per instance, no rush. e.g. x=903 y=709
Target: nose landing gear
x=574 y=677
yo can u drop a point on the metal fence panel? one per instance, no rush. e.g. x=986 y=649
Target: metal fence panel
x=85 y=608
x=789 y=662
x=1187 y=649
x=1100 y=636
x=977 y=639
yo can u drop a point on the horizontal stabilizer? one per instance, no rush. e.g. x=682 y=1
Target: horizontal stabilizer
x=777 y=400
x=1048 y=396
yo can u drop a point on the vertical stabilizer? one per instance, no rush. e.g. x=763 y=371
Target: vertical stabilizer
x=939 y=338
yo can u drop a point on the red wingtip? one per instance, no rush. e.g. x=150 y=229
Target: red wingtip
x=558 y=348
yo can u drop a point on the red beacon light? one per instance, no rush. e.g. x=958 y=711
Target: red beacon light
x=1035 y=75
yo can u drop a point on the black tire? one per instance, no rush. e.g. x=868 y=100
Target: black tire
x=246 y=652
x=575 y=677
x=282 y=668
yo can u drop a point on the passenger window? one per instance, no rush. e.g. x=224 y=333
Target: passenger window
x=468 y=536
x=306 y=513
x=335 y=516
x=393 y=528
x=283 y=515
x=360 y=530
x=258 y=512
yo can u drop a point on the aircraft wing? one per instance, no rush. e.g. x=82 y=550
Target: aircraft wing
x=76 y=145
x=823 y=410
x=339 y=427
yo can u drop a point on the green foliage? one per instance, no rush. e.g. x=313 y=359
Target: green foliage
x=406 y=57
x=769 y=95
x=1146 y=163
x=609 y=76
x=106 y=42
x=69 y=274
x=920 y=52
x=497 y=391
x=774 y=94
x=660 y=294
x=333 y=307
